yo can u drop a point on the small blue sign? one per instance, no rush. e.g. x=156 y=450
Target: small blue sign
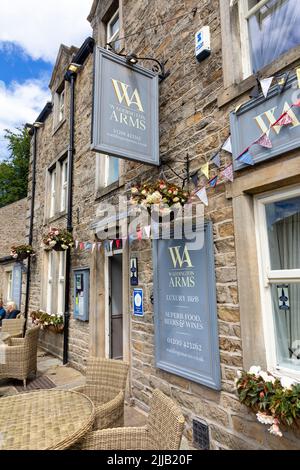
x=138 y=307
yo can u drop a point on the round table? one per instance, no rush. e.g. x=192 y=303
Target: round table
x=4 y=337
x=44 y=420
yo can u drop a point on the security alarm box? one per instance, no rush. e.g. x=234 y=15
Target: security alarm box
x=81 y=294
x=202 y=43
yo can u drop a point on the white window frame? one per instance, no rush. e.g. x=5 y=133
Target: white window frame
x=102 y=168
x=61 y=105
x=9 y=286
x=244 y=14
x=267 y=276
x=112 y=37
x=53 y=184
x=63 y=185
x=61 y=279
x=49 y=292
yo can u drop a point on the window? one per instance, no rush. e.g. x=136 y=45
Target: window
x=59 y=106
x=268 y=28
x=52 y=192
x=9 y=285
x=64 y=185
x=108 y=170
x=113 y=30
x=49 y=282
x=61 y=282
x=278 y=222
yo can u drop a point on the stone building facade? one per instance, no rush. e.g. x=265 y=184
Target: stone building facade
x=195 y=102
x=13 y=232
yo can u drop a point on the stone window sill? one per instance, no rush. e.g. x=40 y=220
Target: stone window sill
x=108 y=189
x=58 y=126
x=55 y=217
x=279 y=65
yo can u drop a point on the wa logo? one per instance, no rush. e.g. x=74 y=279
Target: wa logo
x=126 y=94
x=180 y=259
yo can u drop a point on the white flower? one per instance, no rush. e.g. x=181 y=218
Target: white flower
x=287 y=383
x=274 y=429
x=264 y=418
x=134 y=190
x=267 y=377
x=255 y=370
x=64 y=247
x=239 y=374
x=52 y=243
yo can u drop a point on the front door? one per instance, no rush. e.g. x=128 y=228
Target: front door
x=116 y=306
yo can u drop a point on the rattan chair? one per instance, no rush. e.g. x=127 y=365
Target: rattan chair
x=163 y=430
x=105 y=386
x=14 y=327
x=21 y=356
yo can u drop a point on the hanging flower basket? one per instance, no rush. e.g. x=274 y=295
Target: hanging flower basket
x=159 y=192
x=58 y=240
x=48 y=321
x=21 y=252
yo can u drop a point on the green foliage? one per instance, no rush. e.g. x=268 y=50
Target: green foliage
x=269 y=397
x=14 y=170
x=58 y=239
x=48 y=320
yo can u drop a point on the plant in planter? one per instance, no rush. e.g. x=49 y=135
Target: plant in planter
x=166 y=195
x=21 y=252
x=58 y=240
x=274 y=400
x=48 y=321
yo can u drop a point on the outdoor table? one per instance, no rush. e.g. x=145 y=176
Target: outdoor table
x=44 y=420
x=4 y=337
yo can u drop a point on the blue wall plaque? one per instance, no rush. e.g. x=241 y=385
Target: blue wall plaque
x=138 y=302
x=81 y=294
x=186 y=332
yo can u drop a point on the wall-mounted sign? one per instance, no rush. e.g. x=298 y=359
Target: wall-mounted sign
x=186 y=333
x=254 y=118
x=81 y=294
x=283 y=297
x=125 y=109
x=138 y=302
x=134 y=278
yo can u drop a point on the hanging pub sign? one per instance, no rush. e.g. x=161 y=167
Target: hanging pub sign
x=125 y=109
x=253 y=124
x=186 y=333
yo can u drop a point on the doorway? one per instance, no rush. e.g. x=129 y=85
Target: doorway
x=115 y=278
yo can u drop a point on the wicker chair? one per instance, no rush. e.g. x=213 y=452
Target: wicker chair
x=105 y=386
x=14 y=327
x=163 y=430
x=21 y=356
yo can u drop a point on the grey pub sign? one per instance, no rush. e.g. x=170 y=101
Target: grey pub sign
x=125 y=109
x=254 y=118
x=186 y=332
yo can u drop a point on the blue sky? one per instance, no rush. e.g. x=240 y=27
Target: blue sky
x=31 y=32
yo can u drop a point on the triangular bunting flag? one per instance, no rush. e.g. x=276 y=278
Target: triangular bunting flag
x=246 y=157
x=264 y=141
x=98 y=246
x=76 y=244
x=298 y=76
x=139 y=234
x=213 y=181
x=281 y=82
x=131 y=237
x=254 y=93
x=93 y=247
x=118 y=242
x=147 y=230
x=228 y=172
x=111 y=243
x=297 y=104
x=202 y=195
x=88 y=246
x=216 y=160
x=265 y=84
x=195 y=178
x=81 y=246
x=227 y=145
x=205 y=169
x=284 y=120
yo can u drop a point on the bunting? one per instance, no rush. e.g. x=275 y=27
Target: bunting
x=205 y=169
x=264 y=141
x=265 y=84
x=227 y=145
x=216 y=160
x=228 y=172
x=202 y=195
x=246 y=157
x=213 y=181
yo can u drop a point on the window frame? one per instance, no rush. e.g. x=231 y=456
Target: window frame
x=102 y=168
x=53 y=191
x=267 y=276
x=49 y=289
x=61 y=280
x=63 y=184
x=9 y=285
x=114 y=36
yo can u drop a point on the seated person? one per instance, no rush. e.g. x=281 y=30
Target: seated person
x=11 y=311
x=2 y=312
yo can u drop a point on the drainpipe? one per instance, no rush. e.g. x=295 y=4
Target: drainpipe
x=71 y=78
x=33 y=130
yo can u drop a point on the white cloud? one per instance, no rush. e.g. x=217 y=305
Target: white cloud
x=20 y=103
x=39 y=27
